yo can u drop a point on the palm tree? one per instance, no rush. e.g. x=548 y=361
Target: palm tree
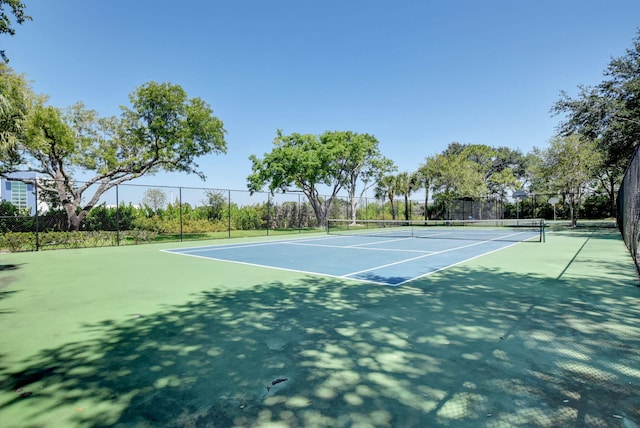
x=386 y=188
x=406 y=183
x=425 y=175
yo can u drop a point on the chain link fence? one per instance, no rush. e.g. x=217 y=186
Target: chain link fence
x=629 y=207
x=133 y=214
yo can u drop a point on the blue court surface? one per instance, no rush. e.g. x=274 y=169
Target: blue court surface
x=389 y=261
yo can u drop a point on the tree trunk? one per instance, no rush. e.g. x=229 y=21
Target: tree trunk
x=71 y=202
x=74 y=219
x=393 y=207
x=354 y=205
x=426 y=204
x=68 y=200
x=613 y=205
x=572 y=208
x=406 y=207
x=318 y=210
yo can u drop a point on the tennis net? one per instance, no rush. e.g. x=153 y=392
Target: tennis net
x=529 y=230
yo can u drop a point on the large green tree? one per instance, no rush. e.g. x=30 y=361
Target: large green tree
x=502 y=168
x=456 y=177
x=361 y=163
x=163 y=130
x=334 y=160
x=16 y=98
x=302 y=161
x=567 y=167
x=609 y=114
x=9 y=8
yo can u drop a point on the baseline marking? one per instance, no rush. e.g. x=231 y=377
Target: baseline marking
x=247 y=245
x=424 y=256
x=456 y=263
x=350 y=276
x=278 y=268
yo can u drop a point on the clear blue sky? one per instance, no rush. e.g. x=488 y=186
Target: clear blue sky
x=416 y=74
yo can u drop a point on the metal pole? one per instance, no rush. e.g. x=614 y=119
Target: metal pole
x=268 y=212
x=117 y=218
x=229 y=214
x=180 y=196
x=35 y=186
x=299 y=215
x=366 y=208
x=326 y=215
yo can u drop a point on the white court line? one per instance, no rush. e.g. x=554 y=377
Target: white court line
x=454 y=264
x=300 y=241
x=384 y=241
x=471 y=233
x=359 y=247
x=246 y=245
x=281 y=268
x=419 y=257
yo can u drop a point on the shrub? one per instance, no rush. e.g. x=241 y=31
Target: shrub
x=140 y=235
x=18 y=241
x=595 y=207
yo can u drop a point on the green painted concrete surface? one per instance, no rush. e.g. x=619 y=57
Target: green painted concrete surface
x=534 y=335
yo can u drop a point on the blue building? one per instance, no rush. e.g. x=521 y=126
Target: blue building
x=20 y=194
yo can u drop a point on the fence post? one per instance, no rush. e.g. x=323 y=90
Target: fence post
x=299 y=208
x=326 y=215
x=180 y=202
x=268 y=212
x=229 y=214
x=35 y=187
x=117 y=217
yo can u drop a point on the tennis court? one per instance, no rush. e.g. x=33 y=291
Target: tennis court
x=518 y=334
x=380 y=252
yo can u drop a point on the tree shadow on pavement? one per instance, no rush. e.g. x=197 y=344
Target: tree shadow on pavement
x=5 y=283
x=472 y=347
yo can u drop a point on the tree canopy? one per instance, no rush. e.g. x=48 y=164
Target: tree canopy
x=9 y=8
x=567 y=167
x=15 y=99
x=154 y=199
x=456 y=176
x=501 y=168
x=608 y=114
x=162 y=130
x=362 y=163
x=405 y=184
x=310 y=163
x=387 y=187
